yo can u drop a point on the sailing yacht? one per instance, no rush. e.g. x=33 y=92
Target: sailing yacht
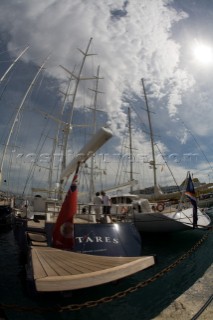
x=162 y=216
x=156 y=213
x=65 y=253
x=47 y=210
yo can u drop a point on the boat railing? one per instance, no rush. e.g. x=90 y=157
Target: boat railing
x=118 y=212
x=7 y=201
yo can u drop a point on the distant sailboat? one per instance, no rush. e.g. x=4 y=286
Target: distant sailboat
x=151 y=214
x=158 y=195
x=183 y=218
x=156 y=217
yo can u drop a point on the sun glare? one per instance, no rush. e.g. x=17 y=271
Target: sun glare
x=203 y=54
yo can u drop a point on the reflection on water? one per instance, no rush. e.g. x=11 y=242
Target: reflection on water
x=144 y=303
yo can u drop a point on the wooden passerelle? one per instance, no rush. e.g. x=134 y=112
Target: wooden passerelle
x=59 y=270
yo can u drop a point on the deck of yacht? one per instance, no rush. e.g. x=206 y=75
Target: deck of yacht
x=58 y=270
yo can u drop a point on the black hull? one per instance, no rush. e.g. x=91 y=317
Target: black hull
x=104 y=239
x=6 y=217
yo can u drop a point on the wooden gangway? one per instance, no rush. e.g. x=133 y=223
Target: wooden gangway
x=59 y=270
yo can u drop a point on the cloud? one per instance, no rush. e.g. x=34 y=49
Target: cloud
x=130 y=46
x=132 y=40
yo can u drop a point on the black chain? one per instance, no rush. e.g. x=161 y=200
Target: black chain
x=118 y=295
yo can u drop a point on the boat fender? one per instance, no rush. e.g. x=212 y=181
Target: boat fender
x=160 y=207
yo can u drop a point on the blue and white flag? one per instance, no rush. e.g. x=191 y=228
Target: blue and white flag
x=190 y=193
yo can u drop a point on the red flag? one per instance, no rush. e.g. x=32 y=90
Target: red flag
x=63 y=233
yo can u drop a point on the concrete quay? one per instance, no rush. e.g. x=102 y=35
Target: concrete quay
x=187 y=306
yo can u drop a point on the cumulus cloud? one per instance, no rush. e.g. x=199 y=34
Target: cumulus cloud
x=132 y=40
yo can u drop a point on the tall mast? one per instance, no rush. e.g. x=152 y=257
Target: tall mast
x=56 y=139
x=14 y=62
x=153 y=162
x=18 y=112
x=130 y=147
x=92 y=187
x=78 y=79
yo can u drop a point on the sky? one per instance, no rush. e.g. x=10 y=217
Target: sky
x=166 y=43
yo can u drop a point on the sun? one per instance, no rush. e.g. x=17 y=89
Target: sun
x=203 y=53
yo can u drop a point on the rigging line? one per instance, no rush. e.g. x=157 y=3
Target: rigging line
x=139 y=116
x=6 y=84
x=146 y=131
x=130 y=103
x=22 y=143
x=15 y=143
x=196 y=143
x=19 y=178
x=120 y=163
x=37 y=152
x=77 y=82
x=39 y=86
x=20 y=108
x=7 y=125
x=64 y=137
x=168 y=168
x=1 y=95
x=32 y=168
x=11 y=158
x=36 y=95
x=6 y=51
x=9 y=172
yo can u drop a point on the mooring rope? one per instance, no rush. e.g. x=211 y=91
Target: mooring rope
x=207 y=303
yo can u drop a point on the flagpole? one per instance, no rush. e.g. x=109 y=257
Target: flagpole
x=190 y=193
x=63 y=233
x=183 y=191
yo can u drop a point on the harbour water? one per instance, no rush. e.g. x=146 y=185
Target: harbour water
x=137 y=302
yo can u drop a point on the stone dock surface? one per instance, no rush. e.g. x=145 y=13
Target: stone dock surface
x=186 y=306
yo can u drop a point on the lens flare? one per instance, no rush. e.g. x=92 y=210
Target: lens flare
x=203 y=54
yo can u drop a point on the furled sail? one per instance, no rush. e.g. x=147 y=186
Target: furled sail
x=97 y=140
